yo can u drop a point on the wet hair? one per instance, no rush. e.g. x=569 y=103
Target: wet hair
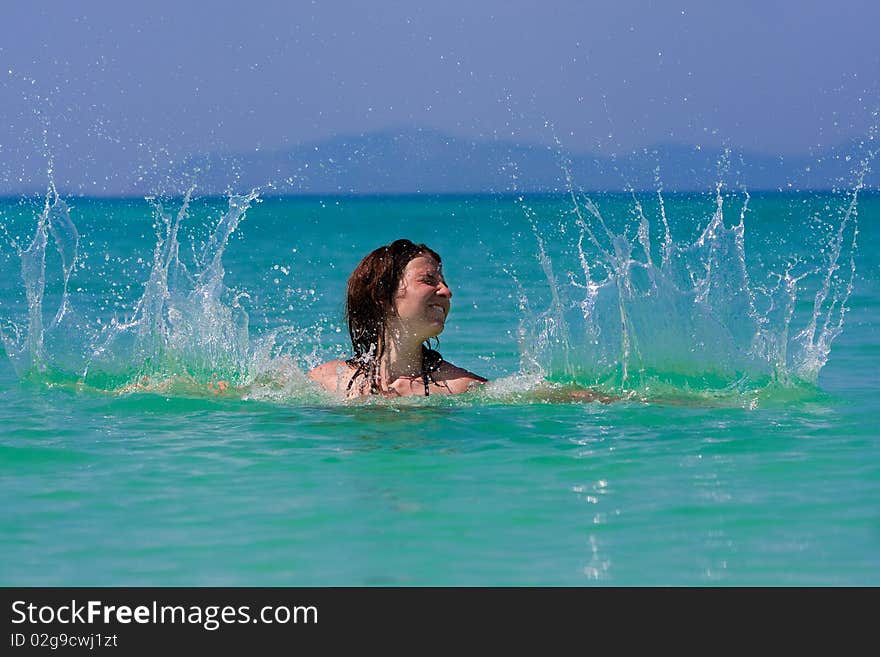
x=369 y=303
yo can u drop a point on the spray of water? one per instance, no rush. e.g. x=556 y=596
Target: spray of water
x=695 y=320
x=27 y=348
x=187 y=333
x=639 y=313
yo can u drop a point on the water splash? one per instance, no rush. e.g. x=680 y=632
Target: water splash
x=27 y=348
x=633 y=307
x=187 y=332
x=182 y=324
x=692 y=319
x=829 y=305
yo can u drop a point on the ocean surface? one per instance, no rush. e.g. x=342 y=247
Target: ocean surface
x=738 y=333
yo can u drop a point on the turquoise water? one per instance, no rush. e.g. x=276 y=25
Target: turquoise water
x=742 y=345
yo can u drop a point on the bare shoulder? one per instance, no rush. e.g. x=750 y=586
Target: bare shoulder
x=458 y=379
x=330 y=374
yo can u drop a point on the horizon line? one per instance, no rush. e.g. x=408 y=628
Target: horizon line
x=867 y=189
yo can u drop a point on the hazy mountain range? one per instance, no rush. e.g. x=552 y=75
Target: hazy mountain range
x=429 y=161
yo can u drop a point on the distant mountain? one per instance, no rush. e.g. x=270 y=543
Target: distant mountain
x=429 y=161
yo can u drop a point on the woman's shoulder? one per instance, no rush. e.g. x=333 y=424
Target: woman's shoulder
x=329 y=374
x=457 y=378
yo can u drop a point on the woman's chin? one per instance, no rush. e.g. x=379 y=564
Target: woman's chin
x=434 y=330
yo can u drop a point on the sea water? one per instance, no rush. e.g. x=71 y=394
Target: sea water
x=736 y=331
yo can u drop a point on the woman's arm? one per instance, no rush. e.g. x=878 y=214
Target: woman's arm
x=458 y=379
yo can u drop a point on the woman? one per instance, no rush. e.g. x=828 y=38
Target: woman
x=397 y=301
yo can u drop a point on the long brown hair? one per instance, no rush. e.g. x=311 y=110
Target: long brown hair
x=369 y=303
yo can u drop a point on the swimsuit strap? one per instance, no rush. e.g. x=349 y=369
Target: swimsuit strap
x=425 y=377
x=361 y=369
x=358 y=370
x=431 y=361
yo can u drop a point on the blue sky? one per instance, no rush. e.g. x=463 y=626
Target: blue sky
x=105 y=85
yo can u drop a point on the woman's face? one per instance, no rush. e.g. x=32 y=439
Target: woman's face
x=423 y=299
